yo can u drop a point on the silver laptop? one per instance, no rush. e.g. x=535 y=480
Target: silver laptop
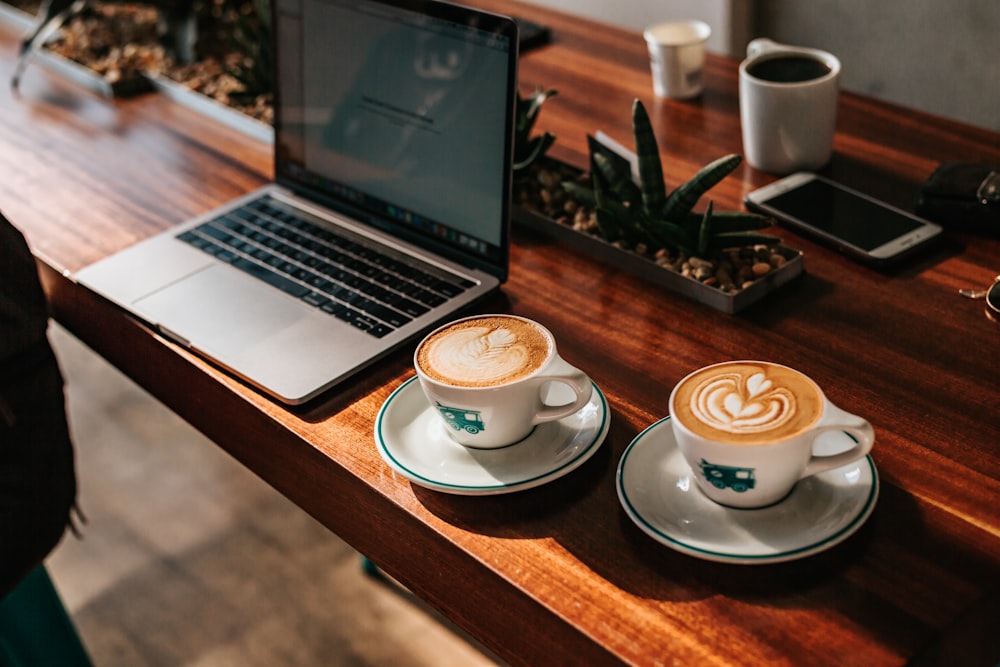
x=390 y=206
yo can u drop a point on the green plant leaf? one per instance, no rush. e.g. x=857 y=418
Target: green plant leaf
x=666 y=234
x=622 y=214
x=615 y=220
x=602 y=198
x=580 y=193
x=536 y=101
x=683 y=199
x=617 y=180
x=610 y=223
x=654 y=191
x=705 y=231
x=529 y=107
x=526 y=148
x=532 y=150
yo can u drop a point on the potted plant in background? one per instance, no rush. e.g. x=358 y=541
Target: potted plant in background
x=118 y=50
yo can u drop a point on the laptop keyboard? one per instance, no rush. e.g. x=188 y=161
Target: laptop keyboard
x=356 y=283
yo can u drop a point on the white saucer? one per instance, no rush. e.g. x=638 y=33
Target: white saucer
x=658 y=491
x=414 y=441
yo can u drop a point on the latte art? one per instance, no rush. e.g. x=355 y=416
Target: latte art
x=748 y=403
x=734 y=403
x=478 y=353
x=483 y=352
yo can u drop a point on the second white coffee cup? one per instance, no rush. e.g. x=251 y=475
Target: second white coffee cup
x=487 y=377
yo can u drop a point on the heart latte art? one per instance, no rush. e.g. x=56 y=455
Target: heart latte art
x=748 y=403
x=484 y=352
x=735 y=403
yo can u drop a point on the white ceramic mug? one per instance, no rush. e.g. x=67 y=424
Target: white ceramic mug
x=677 y=57
x=788 y=106
x=749 y=430
x=488 y=377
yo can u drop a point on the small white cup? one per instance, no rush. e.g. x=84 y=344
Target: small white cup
x=504 y=412
x=757 y=468
x=677 y=57
x=788 y=125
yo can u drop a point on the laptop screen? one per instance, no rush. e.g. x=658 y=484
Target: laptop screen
x=400 y=112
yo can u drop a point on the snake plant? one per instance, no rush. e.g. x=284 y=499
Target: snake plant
x=528 y=149
x=646 y=213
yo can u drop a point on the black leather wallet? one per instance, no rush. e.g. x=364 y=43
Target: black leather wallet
x=962 y=195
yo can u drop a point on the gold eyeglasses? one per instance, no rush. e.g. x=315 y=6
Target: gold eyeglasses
x=992 y=296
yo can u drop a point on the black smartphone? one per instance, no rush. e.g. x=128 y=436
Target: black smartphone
x=857 y=224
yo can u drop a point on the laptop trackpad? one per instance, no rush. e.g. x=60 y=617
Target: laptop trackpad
x=222 y=311
x=263 y=335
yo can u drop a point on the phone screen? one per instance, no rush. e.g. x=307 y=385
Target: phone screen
x=840 y=213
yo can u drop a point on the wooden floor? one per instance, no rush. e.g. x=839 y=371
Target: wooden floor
x=189 y=560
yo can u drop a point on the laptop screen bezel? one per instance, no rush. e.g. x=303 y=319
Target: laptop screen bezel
x=285 y=175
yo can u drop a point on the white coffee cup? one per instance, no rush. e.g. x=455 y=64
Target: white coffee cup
x=788 y=106
x=750 y=430
x=677 y=57
x=488 y=377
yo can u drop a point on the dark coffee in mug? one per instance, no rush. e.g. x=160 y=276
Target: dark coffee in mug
x=789 y=69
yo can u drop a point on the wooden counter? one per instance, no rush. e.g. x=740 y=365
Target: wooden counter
x=559 y=574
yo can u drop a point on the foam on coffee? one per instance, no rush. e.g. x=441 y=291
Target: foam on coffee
x=747 y=403
x=484 y=351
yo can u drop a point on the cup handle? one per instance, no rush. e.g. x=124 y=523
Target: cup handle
x=762 y=45
x=575 y=379
x=860 y=431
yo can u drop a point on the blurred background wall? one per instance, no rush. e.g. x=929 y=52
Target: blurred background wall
x=940 y=56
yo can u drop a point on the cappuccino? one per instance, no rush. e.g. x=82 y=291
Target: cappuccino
x=747 y=403
x=484 y=351
x=494 y=378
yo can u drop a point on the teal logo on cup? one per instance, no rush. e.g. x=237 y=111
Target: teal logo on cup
x=728 y=477
x=469 y=421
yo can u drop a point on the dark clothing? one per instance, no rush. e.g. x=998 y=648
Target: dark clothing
x=37 y=474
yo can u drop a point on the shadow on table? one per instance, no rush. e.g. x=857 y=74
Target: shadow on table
x=616 y=550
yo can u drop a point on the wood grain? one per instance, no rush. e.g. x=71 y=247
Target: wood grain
x=559 y=573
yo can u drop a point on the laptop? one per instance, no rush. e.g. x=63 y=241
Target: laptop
x=389 y=211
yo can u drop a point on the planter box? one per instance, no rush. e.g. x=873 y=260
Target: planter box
x=69 y=69
x=207 y=106
x=727 y=302
x=135 y=84
x=87 y=78
x=16 y=18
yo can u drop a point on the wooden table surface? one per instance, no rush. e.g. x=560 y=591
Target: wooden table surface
x=559 y=574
